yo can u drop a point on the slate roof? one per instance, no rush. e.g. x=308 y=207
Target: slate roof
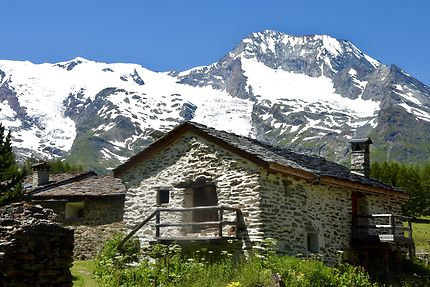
x=287 y=157
x=267 y=153
x=87 y=184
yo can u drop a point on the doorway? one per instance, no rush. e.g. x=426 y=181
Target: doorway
x=204 y=196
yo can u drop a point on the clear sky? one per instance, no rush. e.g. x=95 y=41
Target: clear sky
x=177 y=35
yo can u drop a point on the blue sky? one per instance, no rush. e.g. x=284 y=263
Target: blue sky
x=177 y=35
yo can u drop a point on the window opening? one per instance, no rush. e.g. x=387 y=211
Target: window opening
x=75 y=210
x=312 y=242
x=163 y=197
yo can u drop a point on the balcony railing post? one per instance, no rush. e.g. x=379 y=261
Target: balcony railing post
x=393 y=225
x=221 y=218
x=410 y=228
x=157 y=222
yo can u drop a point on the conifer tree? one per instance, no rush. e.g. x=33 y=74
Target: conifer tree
x=10 y=176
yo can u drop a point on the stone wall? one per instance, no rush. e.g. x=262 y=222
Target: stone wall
x=34 y=250
x=97 y=210
x=189 y=160
x=294 y=209
x=89 y=239
x=102 y=218
x=273 y=205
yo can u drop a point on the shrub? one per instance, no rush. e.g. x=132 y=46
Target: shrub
x=165 y=266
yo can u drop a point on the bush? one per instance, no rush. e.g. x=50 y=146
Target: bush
x=111 y=261
x=165 y=266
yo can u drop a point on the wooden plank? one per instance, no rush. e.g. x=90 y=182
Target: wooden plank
x=218 y=207
x=376 y=215
x=374 y=226
x=386 y=237
x=361 y=186
x=194 y=238
x=171 y=224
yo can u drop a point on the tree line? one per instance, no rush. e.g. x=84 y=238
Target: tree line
x=412 y=179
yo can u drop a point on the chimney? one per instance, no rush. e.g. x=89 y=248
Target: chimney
x=40 y=173
x=360 y=161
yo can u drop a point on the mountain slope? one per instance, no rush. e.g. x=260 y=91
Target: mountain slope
x=311 y=93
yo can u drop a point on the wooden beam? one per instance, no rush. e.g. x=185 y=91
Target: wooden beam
x=294 y=172
x=337 y=182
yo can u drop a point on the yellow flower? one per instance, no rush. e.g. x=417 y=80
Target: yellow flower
x=234 y=284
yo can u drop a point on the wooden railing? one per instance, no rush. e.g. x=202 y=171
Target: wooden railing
x=385 y=227
x=219 y=224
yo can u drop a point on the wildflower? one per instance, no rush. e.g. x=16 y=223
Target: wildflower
x=234 y=284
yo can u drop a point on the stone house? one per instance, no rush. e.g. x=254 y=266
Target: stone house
x=200 y=184
x=91 y=204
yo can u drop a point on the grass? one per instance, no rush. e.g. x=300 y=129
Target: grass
x=82 y=272
x=421 y=235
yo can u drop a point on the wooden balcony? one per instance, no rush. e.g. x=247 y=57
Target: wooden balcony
x=382 y=228
x=178 y=224
x=219 y=228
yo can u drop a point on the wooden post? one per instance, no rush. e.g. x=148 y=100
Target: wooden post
x=387 y=262
x=410 y=229
x=366 y=260
x=393 y=226
x=221 y=218
x=157 y=222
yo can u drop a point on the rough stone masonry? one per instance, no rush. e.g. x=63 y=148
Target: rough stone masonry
x=273 y=205
x=34 y=249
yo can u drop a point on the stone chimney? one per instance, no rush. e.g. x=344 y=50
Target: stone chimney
x=360 y=160
x=40 y=173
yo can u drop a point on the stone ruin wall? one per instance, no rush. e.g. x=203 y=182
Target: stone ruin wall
x=102 y=219
x=34 y=249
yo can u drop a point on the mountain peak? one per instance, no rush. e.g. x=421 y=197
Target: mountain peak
x=310 y=92
x=69 y=65
x=268 y=40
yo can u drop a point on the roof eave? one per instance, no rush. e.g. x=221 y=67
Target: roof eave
x=337 y=182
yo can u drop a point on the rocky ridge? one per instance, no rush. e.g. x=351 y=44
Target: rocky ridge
x=311 y=93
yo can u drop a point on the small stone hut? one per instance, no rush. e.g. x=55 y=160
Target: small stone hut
x=198 y=183
x=91 y=204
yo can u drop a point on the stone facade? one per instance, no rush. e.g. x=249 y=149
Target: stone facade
x=101 y=218
x=34 y=250
x=303 y=217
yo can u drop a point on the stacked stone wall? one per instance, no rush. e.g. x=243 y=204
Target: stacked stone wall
x=34 y=250
x=293 y=209
x=186 y=161
x=102 y=218
x=90 y=239
x=273 y=205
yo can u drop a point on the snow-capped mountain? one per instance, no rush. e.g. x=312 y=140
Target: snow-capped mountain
x=311 y=93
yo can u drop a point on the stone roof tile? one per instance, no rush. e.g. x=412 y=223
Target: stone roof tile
x=82 y=184
x=287 y=157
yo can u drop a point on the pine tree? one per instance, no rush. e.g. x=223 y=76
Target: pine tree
x=411 y=179
x=375 y=170
x=10 y=176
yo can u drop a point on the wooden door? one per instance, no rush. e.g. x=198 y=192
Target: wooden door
x=205 y=196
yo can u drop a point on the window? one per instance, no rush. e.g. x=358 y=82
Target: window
x=163 y=197
x=312 y=243
x=75 y=210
